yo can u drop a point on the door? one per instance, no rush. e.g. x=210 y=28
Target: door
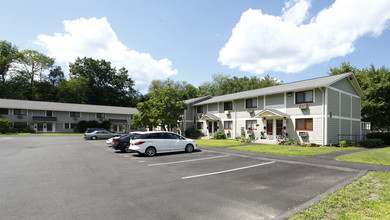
x=40 y=127
x=279 y=127
x=210 y=128
x=270 y=127
x=49 y=127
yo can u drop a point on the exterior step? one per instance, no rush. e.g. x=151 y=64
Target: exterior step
x=265 y=141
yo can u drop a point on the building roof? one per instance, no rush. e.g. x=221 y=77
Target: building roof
x=210 y=117
x=67 y=107
x=288 y=87
x=268 y=112
x=196 y=100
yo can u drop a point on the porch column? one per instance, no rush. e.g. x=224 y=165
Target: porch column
x=274 y=129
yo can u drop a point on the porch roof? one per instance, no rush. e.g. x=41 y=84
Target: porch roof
x=209 y=117
x=268 y=112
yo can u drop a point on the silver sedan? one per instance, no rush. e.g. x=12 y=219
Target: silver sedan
x=100 y=135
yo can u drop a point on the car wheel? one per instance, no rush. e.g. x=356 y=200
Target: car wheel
x=150 y=151
x=93 y=138
x=189 y=148
x=127 y=149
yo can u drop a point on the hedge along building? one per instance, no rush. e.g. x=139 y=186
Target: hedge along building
x=63 y=117
x=319 y=110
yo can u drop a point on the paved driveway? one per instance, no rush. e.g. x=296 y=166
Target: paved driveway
x=65 y=177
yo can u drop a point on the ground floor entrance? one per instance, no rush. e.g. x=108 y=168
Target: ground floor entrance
x=44 y=127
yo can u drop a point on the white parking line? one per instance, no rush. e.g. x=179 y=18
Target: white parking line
x=225 y=171
x=185 y=161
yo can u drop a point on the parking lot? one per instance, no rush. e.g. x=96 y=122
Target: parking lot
x=65 y=177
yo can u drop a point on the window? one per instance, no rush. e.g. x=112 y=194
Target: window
x=3 y=111
x=199 y=109
x=20 y=112
x=74 y=114
x=228 y=106
x=49 y=113
x=251 y=103
x=251 y=124
x=305 y=124
x=66 y=125
x=100 y=115
x=304 y=97
x=199 y=125
x=228 y=125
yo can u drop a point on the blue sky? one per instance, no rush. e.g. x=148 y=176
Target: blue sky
x=192 y=40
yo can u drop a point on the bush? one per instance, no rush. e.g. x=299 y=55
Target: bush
x=369 y=143
x=193 y=133
x=343 y=144
x=219 y=135
x=312 y=145
x=385 y=136
x=350 y=143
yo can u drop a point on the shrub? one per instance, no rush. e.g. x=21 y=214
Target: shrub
x=343 y=144
x=385 y=136
x=193 y=133
x=5 y=125
x=371 y=143
x=289 y=142
x=219 y=135
x=350 y=143
x=312 y=145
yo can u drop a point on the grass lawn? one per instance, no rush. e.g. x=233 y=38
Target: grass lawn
x=365 y=198
x=291 y=150
x=61 y=134
x=378 y=156
x=217 y=143
x=15 y=134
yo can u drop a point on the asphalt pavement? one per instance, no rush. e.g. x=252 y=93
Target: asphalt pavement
x=65 y=177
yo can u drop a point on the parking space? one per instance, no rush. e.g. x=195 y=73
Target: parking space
x=67 y=177
x=263 y=187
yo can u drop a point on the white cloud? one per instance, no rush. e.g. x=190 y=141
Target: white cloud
x=94 y=38
x=262 y=42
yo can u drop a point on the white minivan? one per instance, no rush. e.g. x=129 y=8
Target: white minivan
x=153 y=142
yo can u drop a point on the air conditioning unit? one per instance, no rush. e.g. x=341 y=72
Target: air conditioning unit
x=200 y=115
x=227 y=112
x=302 y=106
x=250 y=110
x=303 y=134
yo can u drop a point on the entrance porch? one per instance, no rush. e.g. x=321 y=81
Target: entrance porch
x=274 y=122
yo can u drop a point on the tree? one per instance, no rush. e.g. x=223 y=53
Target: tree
x=33 y=64
x=224 y=84
x=185 y=90
x=163 y=108
x=375 y=84
x=106 y=84
x=8 y=55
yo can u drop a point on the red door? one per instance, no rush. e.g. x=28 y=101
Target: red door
x=49 y=127
x=270 y=127
x=40 y=127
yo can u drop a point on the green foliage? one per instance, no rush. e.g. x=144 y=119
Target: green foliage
x=370 y=143
x=312 y=145
x=219 y=135
x=375 y=83
x=385 y=136
x=343 y=144
x=83 y=125
x=224 y=84
x=5 y=125
x=101 y=83
x=8 y=55
x=163 y=107
x=193 y=133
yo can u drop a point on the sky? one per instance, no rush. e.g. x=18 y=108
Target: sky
x=192 y=40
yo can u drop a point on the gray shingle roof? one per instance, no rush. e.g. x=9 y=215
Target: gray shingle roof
x=288 y=87
x=56 y=106
x=196 y=100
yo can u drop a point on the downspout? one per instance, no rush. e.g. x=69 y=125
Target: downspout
x=324 y=119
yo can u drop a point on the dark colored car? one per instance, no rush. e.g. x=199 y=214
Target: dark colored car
x=123 y=143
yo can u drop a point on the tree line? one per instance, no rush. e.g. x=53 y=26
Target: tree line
x=30 y=75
